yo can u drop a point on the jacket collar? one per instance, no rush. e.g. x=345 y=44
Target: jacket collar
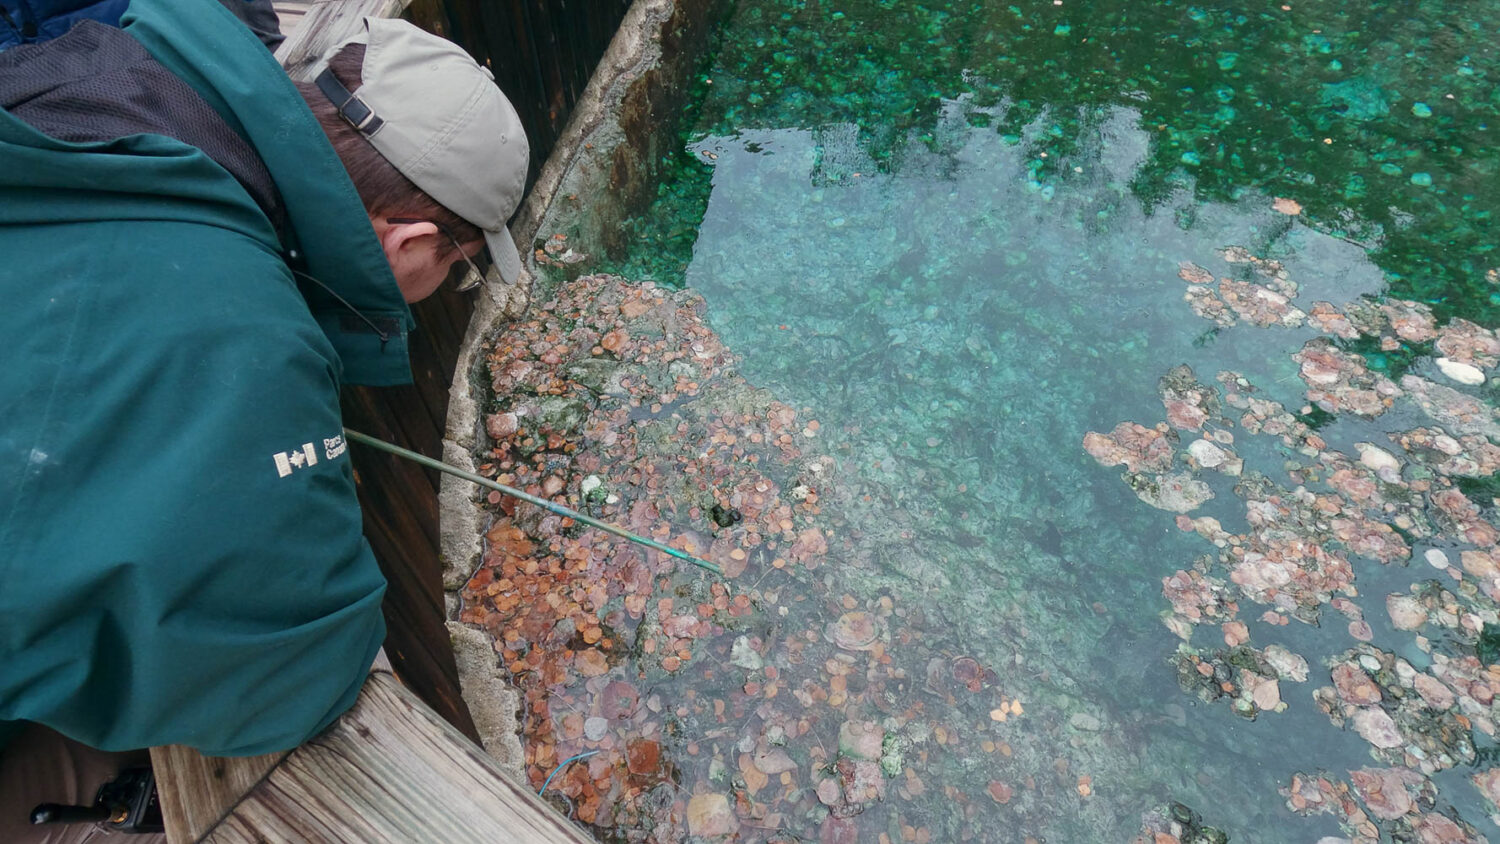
x=327 y=228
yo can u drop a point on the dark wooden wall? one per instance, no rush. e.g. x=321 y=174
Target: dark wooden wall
x=399 y=500
x=542 y=53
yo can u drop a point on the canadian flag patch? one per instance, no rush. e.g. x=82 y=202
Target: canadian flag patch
x=288 y=462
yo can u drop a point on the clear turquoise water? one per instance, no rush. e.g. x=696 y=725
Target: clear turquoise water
x=952 y=231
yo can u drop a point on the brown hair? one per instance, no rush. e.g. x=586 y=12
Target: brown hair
x=382 y=188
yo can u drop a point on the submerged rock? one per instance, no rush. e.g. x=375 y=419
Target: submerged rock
x=1380 y=461
x=745 y=656
x=861 y=740
x=1339 y=381
x=1385 y=790
x=1433 y=692
x=1189 y=404
x=1266 y=694
x=1469 y=344
x=1470 y=455
x=861 y=782
x=1330 y=320
x=1084 y=721
x=1194 y=274
x=1377 y=728
x=1195 y=597
x=1456 y=412
x=1260 y=305
x=1461 y=372
x=855 y=631
x=1208 y=455
x=1288 y=666
x=1488 y=783
x=595 y=728
x=1177 y=492
x=1411 y=321
x=711 y=815
x=774 y=761
x=1138 y=448
x=1175 y=823
x=1406 y=612
x=1354 y=686
x=1207 y=304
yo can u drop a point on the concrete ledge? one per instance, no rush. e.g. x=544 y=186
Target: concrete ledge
x=492 y=702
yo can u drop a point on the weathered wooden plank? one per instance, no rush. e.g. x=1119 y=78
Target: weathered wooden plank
x=196 y=791
x=289 y=22
x=290 y=13
x=390 y=770
x=326 y=24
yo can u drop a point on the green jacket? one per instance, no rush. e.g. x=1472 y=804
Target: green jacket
x=181 y=558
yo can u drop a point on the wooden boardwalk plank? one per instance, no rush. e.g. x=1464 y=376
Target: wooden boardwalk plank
x=390 y=770
x=196 y=791
x=325 y=24
x=290 y=13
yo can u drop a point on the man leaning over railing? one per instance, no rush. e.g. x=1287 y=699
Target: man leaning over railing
x=197 y=255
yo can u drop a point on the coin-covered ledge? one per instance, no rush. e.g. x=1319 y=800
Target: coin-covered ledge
x=601 y=171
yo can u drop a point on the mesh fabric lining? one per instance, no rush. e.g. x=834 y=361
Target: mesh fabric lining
x=96 y=84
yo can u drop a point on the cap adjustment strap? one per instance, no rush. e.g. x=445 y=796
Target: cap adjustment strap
x=350 y=107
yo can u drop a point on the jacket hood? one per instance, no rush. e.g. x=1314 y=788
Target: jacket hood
x=327 y=235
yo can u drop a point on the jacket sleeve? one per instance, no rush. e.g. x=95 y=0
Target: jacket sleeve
x=187 y=558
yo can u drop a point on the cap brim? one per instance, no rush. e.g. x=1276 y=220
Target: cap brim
x=503 y=252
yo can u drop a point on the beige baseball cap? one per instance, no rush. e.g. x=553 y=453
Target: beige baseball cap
x=437 y=115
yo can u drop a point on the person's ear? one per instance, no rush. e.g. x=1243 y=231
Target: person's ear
x=407 y=245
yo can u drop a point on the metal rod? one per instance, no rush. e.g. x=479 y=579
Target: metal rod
x=560 y=767
x=524 y=496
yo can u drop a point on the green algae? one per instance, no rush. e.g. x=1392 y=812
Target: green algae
x=1297 y=124
x=1488 y=649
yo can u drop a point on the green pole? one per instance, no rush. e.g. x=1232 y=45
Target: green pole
x=524 y=496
